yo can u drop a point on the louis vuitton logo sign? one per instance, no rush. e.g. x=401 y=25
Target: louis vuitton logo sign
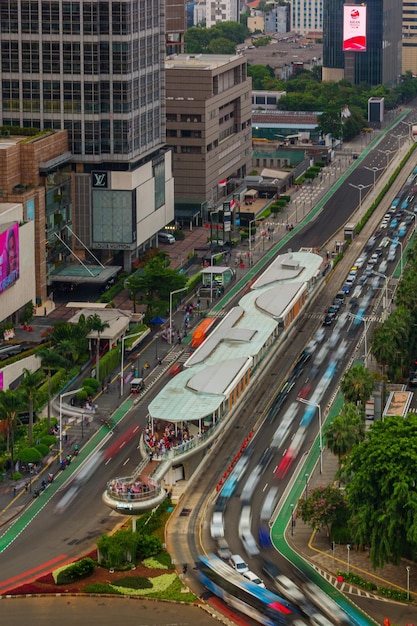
x=100 y=180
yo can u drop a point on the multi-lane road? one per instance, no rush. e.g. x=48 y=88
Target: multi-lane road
x=54 y=536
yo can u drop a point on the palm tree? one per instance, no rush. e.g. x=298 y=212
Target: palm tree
x=51 y=360
x=11 y=403
x=96 y=324
x=30 y=385
x=357 y=385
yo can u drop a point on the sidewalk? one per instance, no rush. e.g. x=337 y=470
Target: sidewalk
x=316 y=548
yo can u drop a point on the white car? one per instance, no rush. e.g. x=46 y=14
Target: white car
x=217 y=525
x=254 y=578
x=238 y=564
x=360 y=262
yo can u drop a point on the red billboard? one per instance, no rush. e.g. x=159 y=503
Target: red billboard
x=354 y=28
x=9 y=256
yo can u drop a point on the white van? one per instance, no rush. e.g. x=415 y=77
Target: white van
x=166 y=238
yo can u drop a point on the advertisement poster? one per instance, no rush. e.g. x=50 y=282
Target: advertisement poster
x=9 y=257
x=354 y=28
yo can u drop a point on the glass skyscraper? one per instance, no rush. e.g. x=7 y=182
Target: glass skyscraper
x=381 y=63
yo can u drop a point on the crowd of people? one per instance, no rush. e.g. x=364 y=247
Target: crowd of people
x=158 y=443
x=131 y=490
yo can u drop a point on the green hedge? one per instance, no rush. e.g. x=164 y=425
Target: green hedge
x=75 y=571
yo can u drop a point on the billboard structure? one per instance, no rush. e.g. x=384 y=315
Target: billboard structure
x=9 y=256
x=354 y=28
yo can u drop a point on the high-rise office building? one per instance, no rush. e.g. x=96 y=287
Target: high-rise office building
x=96 y=69
x=222 y=11
x=409 y=37
x=381 y=62
x=306 y=15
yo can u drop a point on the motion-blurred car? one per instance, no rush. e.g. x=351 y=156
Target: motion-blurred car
x=217 y=525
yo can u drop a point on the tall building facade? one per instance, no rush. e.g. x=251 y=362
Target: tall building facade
x=209 y=116
x=381 y=63
x=409 y=57
x=222 y=11
x=306 y=16
x=96 y=69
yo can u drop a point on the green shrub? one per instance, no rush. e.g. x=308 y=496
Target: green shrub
x=162 y=560
x=81 y=395
x=357 y=580
x=148 y=545
x=75 y=571
x=42 y=448
x=135 y=582
x=393 y=594
x=92 y=383
x=48 y=440
x=16 y=476
x=89 y=391
x=29 y=455
x=179 y=235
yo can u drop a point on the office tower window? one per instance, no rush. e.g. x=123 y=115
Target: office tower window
x=71 y=58
x=51 y=96
x=90 y=58
x=29 y=17
x=31 y=95
x=121 y=18
x=9 y=17
x=91 y=97
x=72 y=97
x=51 y=58
x=90 y=18
x=9 y=56
x=50 y=18
x=30 y=57
x=71 y=18
x=10 y=93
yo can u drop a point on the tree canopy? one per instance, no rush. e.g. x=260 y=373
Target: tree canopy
x=345 y=431
x=203 y=40
x=381 y=490
x=155 y=284
x=323 y=507
x=394 y=342
x=357 y=385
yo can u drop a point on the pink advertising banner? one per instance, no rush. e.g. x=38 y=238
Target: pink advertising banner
x=354 y=28
x=9 y=257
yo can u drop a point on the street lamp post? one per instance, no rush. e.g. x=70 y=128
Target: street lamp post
x=306 y=477
x=401 y=257
x=410 y=126
x=398 y=137
x=348 y=558
x=408 y=582
x=250 y=242
x=318 y=407
x=292 y=520
x=123 y=357
x=361 y=188
x=63 y=395
x=170 y=310
x=374 y=170
x=387 y=153
x=211 y=275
